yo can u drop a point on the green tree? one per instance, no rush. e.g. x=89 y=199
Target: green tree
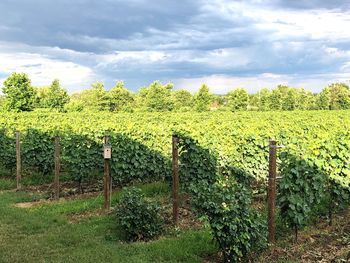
x=264 y=99
x=2 y=102
x=120 y=98
x=203 y=99
x=182 y=99
x=334 y=97
x=41 y=97
x=323 y=100
x=19 y=93
x=237 y=99
x=75 y=103
x=57 y=97
x=283 y=98
x=253 y=102
x=290 y=100
x=95 y=98
x=157 y=97
x=305 y=100
x=339 y=96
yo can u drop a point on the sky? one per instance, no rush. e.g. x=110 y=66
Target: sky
x=226 y=44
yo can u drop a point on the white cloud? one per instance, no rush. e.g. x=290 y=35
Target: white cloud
x=221 y=84
x=43 y=70
x=282 y=23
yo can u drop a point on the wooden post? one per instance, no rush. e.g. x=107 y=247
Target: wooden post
x=18 y=160
x=175 y=166
x=272 y=192
x=330 y=204
x=57 y=167
x=107 y=178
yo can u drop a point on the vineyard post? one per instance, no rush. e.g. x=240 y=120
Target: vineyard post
x=18 y=159
x=57 y=167
x=107 y=172
x=175 y=168
x=272 y=191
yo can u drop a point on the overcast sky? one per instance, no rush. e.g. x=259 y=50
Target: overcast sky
x=226 y=44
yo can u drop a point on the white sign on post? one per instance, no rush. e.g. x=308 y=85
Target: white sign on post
x=107 y=153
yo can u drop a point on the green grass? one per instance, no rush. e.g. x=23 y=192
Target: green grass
x=7 y=184
x=44 y=234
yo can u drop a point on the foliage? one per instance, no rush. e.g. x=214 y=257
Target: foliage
x=237 y=99
x=203 y=99
x=301 y=189
x=138 y=218
x=141 y=141
x=57 y=97
x=222 y=194
x=197 y=164
x=37 y=151
x=157 y=97
x=120 y=98
x=336 y=97
x=236 y=227
x=41 y=96
x=182 y=99
x=95 y=98
x=19 y=93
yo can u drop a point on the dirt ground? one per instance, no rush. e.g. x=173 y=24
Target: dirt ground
x=318 y=243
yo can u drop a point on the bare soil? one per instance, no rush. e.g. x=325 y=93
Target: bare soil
x=318 y=243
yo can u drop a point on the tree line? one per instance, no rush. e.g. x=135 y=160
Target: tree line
x=20 y=95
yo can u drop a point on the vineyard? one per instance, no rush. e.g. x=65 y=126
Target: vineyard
x=224 y=161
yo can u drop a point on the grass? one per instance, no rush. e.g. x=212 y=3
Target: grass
x=7 y=184
x=77 y=230
x=43 y=233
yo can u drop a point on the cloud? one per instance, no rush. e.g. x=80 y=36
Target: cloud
x=220 y=84
x=138 y=41
x=43 y=70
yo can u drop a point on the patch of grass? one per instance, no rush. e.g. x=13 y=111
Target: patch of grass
x=7 y=184
x=82 y=205
x=43 y=235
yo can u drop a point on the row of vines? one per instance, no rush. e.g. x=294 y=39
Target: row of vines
x=220 y=155
x=142 y=142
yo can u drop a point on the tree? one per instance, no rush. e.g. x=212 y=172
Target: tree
x=2 y=102
x=334 y=97
x=237 y=99
x=75 y=103
x=57 y=97
x=41 y=97
x=19 y=93
x=339 y=96
x=182 y=99
x=157 y=97
x=283 y=98
x=305 y=100
x=323 y=100
x=203 y=99
x=95 y=98
x=264 y=99
x=120 y=98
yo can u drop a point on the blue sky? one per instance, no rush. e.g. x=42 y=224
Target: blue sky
x=226 y=44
